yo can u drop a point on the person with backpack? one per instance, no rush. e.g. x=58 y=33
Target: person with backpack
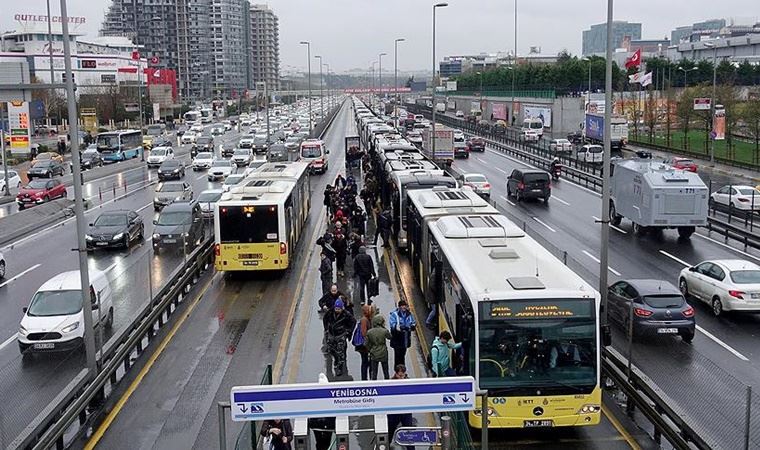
x=359 y=338
x=401 y=322
x=377 y=347
x=338 y=324
x=440 y=359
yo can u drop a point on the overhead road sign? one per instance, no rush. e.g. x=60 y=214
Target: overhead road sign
x=287 y=401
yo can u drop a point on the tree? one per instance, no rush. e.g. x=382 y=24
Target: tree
x=729 y=98
x=750 y=115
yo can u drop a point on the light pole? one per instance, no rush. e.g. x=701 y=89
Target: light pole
x=712 y=101
x=605 y=221
x=436 y=6
x=395 y=77
x=321 y=81
x=514 y=71
x=380 y=73
x=685 y=71
x=308 y=62
x=329 y=95
x=139 y=75
x=372 y=89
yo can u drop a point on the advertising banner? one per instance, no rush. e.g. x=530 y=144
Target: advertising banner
x=18 y=124
x=499 y=111
x=719 y=125
x=538 y=112
x=451 y=85
x=701 y=104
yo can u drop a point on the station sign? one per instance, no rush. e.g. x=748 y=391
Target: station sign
x=355 y=398
x=19 y=127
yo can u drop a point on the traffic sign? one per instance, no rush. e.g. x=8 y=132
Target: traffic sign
x=154 y=60
x=416 y=436
x=287 y=401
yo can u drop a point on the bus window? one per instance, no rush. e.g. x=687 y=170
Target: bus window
x=248 y=224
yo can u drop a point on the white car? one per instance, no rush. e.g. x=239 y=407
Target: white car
x=159 y=155
x=726 y=285
x=590 y=153
x=232 y=180
x=54 y=320
x=561 y=146
x=530 y=136
x=2 y=266
x=242 y=156
x=188 y=137
x=246 y=141
x=202 y=160
x=744 y=198
x=14 y=181
x=197 y=128
x=459 y=114
x=217 y=130
x=220 y=169
x=258 y=161
x=478 y=182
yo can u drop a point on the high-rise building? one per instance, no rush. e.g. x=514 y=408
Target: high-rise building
x=265 y=46
x=595 y=38
x=228 y=47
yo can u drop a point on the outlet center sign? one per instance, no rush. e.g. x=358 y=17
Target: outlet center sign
x=19 y=126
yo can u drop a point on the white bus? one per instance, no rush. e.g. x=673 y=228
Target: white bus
x=192 y=117
x=207 y=115
x=259 y=222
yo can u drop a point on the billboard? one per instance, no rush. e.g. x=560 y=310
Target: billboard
x=719 y=125
x=499 y=111
x=702 y=104
x=19 y=122
x=538 y=112
x=451 y=85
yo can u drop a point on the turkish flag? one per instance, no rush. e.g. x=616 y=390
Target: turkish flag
x=135 y=55
x=634 y=60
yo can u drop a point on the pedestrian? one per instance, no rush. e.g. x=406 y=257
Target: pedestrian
x=355 y=244
x=341 y=252
x=366 y=196
x=338 y=325
x=440 y=359
x=340 y=182
x=364 y=270
x=279 y=432
x=325 y=242
x=328 y=299
x=358 y=220
x=365 y=324
x=325 y=272
x=400 y=420
x=383 y=227
x=377 y=347
x=328 y=199
x=401 y=322
x=323 y=428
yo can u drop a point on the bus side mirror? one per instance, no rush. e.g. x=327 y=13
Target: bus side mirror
x=606 y=336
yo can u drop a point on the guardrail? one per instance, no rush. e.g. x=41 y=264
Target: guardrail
x=695 y=154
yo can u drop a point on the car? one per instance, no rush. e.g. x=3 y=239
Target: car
x=590 y=153
x=476 y=144
x=170 y=169
x=54 y=319
x=657 y=308
x=47 y=156
x=45 y=169
x=37 y=192
x=278 y=153
x=725 y=284
x=188 y=137
x=218 y=130
x=90 y=159
x=740 y=197
x=478 y=182
x=220 y=169
x=197 y=127
x=204 y=144
x=530 y=136
x=228 y=149
x=171 y=191
x=115 y=229
x=232 y=180
x=576 y=137
x=293 y=142
x=459 y=114
x=529 y=183
x=227 y=124
x=461 y=150
x=2 y=266
x=245 y=122
x=202 y=161
x=257 y=162
x=683 y=164
x=260 y=143
x=179 y=225
x=246 y=141
x=14 y=180
x=160 y=154
x=560 y=145
x=242 y=156
x=208 y=199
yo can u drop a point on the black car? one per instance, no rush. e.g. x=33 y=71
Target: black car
x=204 y=144
x=90 y=160
x=115 y=229
x=576 y=137
x=529 y=183
x=171 y=169
x=45 y=169
x=162 y=142
x=260 y=144
x=228 y=149
x=659 y=308
x=180 y=223
x=277 y=153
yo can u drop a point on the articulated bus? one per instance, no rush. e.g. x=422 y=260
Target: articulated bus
x=260 y=221
x=119 y=145
x=529 y=326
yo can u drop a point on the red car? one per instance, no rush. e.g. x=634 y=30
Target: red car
x=40 y=191
x=683 y=164
x=476 y=144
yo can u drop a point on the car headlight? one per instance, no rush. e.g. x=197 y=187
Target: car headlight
x=156 y=236
x=159 y=171
x=88 y=237
x=70 y=328
x=117 y=237
x=156 y=199
x=176 y=170
x=22 y=331
x=184 y=235
x=176 y=199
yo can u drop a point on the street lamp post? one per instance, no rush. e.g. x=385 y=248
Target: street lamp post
x=713 y=100
x=380 y=73
x=139 y=75
x=329 y=94
x=308 y=62
x=436 y=6
x=605 y=221
x=685 y=71
x=321 y=81
x=514 y=71
x=395 y=78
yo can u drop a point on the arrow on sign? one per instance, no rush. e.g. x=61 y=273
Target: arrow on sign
x=243 y=409
x=464 y=397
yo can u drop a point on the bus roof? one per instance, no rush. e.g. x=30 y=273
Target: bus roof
x=443 y=200
x=117 y=132
x=428 y=178
x=510 y=264
x=252 y=191
x=281 y=170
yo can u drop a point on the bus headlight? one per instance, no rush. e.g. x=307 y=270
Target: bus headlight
x=478 y=412
x=589 y=409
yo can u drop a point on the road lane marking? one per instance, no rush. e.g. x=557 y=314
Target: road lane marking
x=144 y=207
x=722 y=344
x=507 y=200
x=599 y=262
x=544 y=224
x=554 y=197
x=621 y=429
x=8 y=281
x=675 y=258
x=501 y=170
x=481 y=160
x=620 y=230
x=201 y=176
x=722 y=244
x=8 y=341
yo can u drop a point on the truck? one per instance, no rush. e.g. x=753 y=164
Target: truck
x=593 y=130
x=440 y=108
x=655 y=196
x=451 y=105
x=444 y=144
x=475 y=112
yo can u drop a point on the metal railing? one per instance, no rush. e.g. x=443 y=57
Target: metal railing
x=506 y=93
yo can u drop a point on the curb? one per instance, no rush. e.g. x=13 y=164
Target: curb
x=31 y=227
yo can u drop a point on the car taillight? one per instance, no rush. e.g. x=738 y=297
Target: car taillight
x=688 y=312
x=521 y=185
x=642 y=312
x=736 y=294
x=283 y=248
x=217 y=250
x=487 y=185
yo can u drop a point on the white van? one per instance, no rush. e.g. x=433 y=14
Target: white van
x=313 y=151
x=591 y=153
x=440 y=108
x=54 y=320
x=533 y=124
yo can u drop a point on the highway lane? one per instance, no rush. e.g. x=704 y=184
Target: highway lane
x=724 y=349
x=33 y=260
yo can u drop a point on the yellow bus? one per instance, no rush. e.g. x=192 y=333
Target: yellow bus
x=529 y=326
x=259 y=222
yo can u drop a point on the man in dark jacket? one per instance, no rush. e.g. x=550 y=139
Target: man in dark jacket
x=325 y=272
x=338 y=325
x=364 y=269
x=327 y=301
x=280 y=432
x=384 y=222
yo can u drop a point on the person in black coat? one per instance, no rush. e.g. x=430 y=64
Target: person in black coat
x=341 y=252
x=325 y=272
x=364 y=270
x=328 y=199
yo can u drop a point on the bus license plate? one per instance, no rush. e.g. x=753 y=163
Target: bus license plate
x=44 y=346
x=250 y=263
x=667 y=330
x=538 y=423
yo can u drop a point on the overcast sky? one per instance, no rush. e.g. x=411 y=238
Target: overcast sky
x=351 y=33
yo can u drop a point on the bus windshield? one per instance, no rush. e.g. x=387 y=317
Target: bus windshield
x=108 y=142
x=542 y=345
x=248 y=224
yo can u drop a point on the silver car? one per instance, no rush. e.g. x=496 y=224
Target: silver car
x=478 y=182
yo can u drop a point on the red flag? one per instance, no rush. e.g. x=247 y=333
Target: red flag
x=634 y=60
x=135 y=55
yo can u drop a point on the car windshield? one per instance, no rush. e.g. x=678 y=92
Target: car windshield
x=241 y=153
x=111 y=220
x=55 y=303
x=222 y=163
x=475 y=179
x=203 y=140
x=36 y=184
x=209 y=197
x=746 y=276
x=173 y=218
x=292 y=140
x=155 y=131
x=536 y=177
x=169 y=187
x=158 y=152
x=313 y=151
x=44 y=156
x=43 y=164
x=595 y=149
x=204 y=155
x=169 y=164
x=664 y=301
x=260 y=140
x=750 y=192
x=685 y=162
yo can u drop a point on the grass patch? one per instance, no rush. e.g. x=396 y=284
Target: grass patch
x=740 y=150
